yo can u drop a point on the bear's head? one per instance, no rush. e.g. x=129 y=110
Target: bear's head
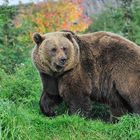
x=55 y=52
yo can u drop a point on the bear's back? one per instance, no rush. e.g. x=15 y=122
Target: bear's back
x=111 y=50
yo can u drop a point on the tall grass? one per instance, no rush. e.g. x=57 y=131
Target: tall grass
x=20 y=118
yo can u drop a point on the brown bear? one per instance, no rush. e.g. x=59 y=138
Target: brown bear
x=77 y=69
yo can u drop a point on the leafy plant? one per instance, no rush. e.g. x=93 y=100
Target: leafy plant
x=14 y=42
x=23 y=87
x=123 y=20
x=48 y=16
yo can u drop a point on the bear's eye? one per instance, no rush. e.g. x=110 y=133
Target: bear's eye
x=53 y=50
x=64 y=49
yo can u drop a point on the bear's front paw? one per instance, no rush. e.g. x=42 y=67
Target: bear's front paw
x=49 y=114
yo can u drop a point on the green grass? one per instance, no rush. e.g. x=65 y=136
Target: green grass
x=20 y=118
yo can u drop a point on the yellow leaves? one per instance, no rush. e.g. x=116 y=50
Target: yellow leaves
x=18 y=25
x=48 y=16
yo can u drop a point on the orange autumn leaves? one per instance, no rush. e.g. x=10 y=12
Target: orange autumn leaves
x=48 y=16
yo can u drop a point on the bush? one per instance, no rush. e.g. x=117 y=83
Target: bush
x=15 y=42
x=123 y=20
x=23 y=86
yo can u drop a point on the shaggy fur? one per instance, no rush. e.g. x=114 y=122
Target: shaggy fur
x=100 y=66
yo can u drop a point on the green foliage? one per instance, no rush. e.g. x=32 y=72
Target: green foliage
x=20 y=122
x=124 y=20
x=14 y=41
x=23 y=87
x=20 y=117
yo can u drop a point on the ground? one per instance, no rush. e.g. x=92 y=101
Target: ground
x=20 y=118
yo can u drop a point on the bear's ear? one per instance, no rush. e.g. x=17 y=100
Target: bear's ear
x=68 y=31
x=72 y=37
x=37 y=38
x=69 y=34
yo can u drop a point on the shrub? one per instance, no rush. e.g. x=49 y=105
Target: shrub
x=48 y=16
x=23 y=86
x=123 y=20
x=14 y=41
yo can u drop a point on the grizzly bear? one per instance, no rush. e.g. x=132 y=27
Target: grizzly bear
x=78 y=69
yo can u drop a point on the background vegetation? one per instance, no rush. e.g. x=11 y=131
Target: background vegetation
x=20 y=86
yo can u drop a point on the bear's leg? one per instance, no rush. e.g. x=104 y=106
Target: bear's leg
x=120 y=107
x=135 y=98
x=48 y=102
x=80 y=105
x=136 y=106
x=130 y=90
x=50 y=96
x=117 y=112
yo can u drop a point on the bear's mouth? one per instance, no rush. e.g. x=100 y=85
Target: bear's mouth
x=59 y=67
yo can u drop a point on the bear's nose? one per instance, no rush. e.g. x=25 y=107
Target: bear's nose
x=62 y=61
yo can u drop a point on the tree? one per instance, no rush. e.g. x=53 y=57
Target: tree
x=127 y=10
x=13 y=40
x=48 y=16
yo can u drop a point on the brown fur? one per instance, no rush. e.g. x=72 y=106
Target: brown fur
x=102 y=66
